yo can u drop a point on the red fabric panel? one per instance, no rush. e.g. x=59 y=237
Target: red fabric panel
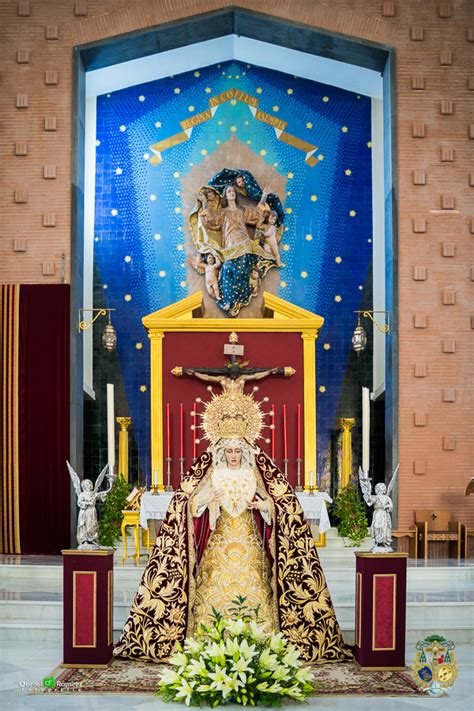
x=384 y=605
x=85 y=609
x=43 y=405
x=201 y=350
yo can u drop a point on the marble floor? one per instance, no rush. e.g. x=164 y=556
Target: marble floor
x=440 y=594
x=24 y=663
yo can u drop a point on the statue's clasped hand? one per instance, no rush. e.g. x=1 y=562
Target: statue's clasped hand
x=216 y=495
x=259 y=504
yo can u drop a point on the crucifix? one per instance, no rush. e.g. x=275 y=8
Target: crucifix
x=235 y=374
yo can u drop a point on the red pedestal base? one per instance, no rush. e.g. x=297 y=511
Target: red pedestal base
x=88 y=608
x=381 y=582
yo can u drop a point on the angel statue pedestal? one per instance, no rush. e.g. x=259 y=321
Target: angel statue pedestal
x=380 y=610
x=88 y=607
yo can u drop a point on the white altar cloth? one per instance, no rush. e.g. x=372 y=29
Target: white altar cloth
x=314 y=508
x=154 y=506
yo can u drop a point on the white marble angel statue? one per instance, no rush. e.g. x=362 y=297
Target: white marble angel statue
x=87 y=496
x=381 y=526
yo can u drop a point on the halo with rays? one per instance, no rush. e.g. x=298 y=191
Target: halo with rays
x=230 y=415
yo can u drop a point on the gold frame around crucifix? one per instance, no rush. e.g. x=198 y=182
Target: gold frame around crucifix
x=185 y=315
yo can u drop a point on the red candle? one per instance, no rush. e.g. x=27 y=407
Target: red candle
x=298 y=439
x=181 y=430
x=285 y=441
x=168 y=448
x=194 y=429
x=273 y=432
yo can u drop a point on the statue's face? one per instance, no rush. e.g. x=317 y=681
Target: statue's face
x=87 y=485
x=272 y=218
x=240 y=182
x=233 y=457
x=211 y=259
x=380 y=489
x=230 y=192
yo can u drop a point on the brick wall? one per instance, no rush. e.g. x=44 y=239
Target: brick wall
x=435 y=133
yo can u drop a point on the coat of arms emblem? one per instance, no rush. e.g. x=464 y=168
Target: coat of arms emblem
x=435 y=666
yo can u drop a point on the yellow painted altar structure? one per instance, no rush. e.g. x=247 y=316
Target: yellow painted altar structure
x=279 y=316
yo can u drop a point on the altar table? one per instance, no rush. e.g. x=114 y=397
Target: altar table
x=154 y=506
x=314 y=508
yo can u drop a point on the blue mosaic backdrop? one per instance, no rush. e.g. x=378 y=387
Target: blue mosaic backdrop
x=140 y=223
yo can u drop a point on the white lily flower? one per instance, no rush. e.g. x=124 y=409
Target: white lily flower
x=275 y=688
x=291 y=656
x=193 y=645
x=236 y=626
x=231 y=647
x=246 y=650
x=179 y=659
x=268 y=660
x=294 y=692
x=281 y=674
x=169 y=676
x=304 y=675
x=240 y=667
x=196 y=667
x=185 y=691
x=203 y=688
x=277 y=642
x=258 y=632
x=221 y=681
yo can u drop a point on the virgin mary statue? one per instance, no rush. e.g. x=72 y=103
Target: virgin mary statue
x=234 y=527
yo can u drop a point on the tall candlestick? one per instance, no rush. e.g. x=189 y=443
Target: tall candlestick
x=298 y=437
x=181 y=431
x=168 y=436
x=273 y=432
x=110 y=426
x=285 y=439
x=365 y=429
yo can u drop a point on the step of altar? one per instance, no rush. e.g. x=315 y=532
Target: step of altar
x=440 y=597
x=41 y=621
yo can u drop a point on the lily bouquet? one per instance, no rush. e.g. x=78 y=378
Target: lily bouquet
x=235 y=660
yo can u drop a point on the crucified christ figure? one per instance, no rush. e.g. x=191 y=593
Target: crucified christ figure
x=234 y=382
x=233 y=377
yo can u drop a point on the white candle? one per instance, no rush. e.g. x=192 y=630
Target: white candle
x=365 y=429
x=110 y=426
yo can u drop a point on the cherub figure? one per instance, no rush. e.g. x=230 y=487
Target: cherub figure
x=381 y=527
x=210 y=268
x=87 y=496
x=268 y=233
x=254 y=280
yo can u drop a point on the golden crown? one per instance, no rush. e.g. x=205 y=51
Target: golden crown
x=232 y=416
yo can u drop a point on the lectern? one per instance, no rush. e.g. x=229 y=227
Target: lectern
x=88 y=607
x=380 y=608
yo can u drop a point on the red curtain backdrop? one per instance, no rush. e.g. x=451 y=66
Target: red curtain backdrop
x=201 y=350
x=43 y=418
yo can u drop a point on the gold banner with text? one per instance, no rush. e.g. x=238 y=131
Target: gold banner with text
x=252 y=102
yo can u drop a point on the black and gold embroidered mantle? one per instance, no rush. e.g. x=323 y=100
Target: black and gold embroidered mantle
x=162 y=609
